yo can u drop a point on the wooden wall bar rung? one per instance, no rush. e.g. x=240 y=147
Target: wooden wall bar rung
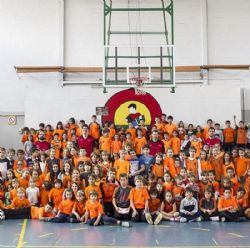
x=42 y=69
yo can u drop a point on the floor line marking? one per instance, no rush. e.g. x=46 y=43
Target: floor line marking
x=215 y=242
x=45 y=235
x=236 y=235
x=72 y=246
x=78 y=229
x=201 y=229
x=22 y=233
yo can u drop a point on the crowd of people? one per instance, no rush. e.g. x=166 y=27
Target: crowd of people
x=106 y=174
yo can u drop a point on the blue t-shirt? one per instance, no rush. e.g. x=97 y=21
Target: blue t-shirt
x=148 y=161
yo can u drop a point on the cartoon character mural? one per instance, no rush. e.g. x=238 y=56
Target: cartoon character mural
x=134 y=117
x=125 y=106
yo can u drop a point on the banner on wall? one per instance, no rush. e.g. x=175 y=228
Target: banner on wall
x=125 y=106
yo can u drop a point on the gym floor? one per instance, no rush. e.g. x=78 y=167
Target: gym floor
x=26 y=233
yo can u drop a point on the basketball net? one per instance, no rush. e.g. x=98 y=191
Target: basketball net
x=138 y=83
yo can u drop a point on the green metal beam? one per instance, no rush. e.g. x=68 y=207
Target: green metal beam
x=135 y=32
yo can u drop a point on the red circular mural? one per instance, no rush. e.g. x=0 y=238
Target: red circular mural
x=122 y=104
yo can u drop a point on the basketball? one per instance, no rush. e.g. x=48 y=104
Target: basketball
x=2 y=216
x=248 y=215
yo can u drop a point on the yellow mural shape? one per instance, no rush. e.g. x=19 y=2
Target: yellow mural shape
x=123 y=111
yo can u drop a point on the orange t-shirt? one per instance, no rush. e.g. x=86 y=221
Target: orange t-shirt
x=49 y=136
x=94 y=130
x=13 y=194
x=158 y=170
x=168 y=186
x=138 y=144
x=108 y=190
x=44 y=197
x=116 y=146
x=178 y=190
x=225 y=203
x=94 y=208
x=167 y=144
x=138 y=197
x=154 y=204
x=205 y=165
x=121 y=166
x=1 y=205
x=176 y=145
x=57 y=145
x=79 y=207
x=197 y=145
x=241 y=165
x=216 y=163
x=192 y=165
x=105 y=144
x=112 y=132
x=60 y=133
x=24 y=183
x=66 y=206
x=241 y=135
x=90 y=188
x=228 y=134
x=132 y=131
x=56 y=195
x=169 y=165
x=169 y=128
x=37 y=213
x=19 y=203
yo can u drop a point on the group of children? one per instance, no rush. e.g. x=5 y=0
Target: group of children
x=166 y=172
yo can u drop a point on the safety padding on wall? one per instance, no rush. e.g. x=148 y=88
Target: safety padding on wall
x=125 y=106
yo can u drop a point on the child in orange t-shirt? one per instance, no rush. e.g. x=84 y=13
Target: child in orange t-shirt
x=20 y=201
x=203 y=163
x=121 y=165
x=65 y=208
x=176 y=143
x=242 y=163
x=105 y=141
x=158 y=169
x=56 y=194
x=95 y=215
x=139 y=142
x=153 y=215
x=78 y=211
x=215 y=184
x=116 y=145
x=227 y=207
x=92 y=186
x=168 y=182
x=191 y=162
x=139 y=200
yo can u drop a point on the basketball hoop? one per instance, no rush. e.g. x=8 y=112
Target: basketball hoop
x=138 y=83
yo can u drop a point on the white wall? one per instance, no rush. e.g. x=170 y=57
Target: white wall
x=69 y=32
x=192 y=104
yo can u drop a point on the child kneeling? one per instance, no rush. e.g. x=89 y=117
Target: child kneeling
x=189 y=208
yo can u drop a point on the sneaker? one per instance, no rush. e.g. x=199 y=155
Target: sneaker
x=172 y=219
x=125 y=224
x=223 y=219
x=182 y=220
x=158 y=219
x=177 y=219
x=149 y=218
x=198 y=219
x=215 y=218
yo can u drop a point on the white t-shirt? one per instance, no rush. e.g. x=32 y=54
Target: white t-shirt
x=32 y=195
